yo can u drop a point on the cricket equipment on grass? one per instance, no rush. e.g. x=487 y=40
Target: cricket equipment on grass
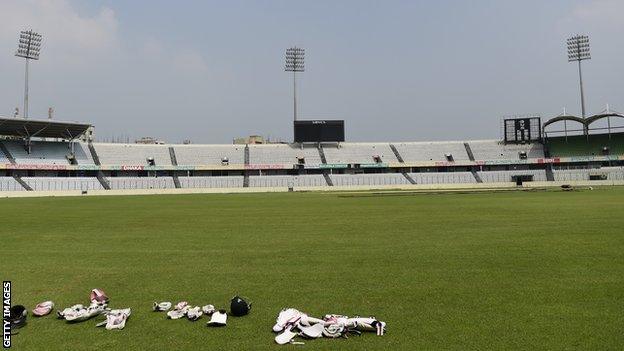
x=181 y=305
x=239 y=307
x=98 y=295
x=291 y=322
x=43 y=308
x=79 y=313
x=176 y=314
x=17 y=316
x=286 y=317
x=69 y=310
x=218 y=319
x=161 y=306
x=286 y=336
x=312 y=332
x=194 y=313
x=179 y=311
x=335 y=330
x=208 y=310
x=115 y=319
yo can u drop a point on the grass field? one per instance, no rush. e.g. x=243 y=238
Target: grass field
x=495 y=271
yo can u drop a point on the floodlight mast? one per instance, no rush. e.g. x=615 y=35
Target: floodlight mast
x=578 y=50
x=28 y=48
x=295 y=59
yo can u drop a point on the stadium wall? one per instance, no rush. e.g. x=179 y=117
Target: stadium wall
x=417 y=187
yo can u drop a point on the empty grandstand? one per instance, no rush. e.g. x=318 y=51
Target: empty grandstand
x=63 y=162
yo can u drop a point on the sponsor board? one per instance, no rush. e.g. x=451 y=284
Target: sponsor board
x=132 y=168
x=55 y=167
x=216 y=168
x=373 y=165
x=48 y=167
x=334 y=165
x=549 y=160
x=266 y=166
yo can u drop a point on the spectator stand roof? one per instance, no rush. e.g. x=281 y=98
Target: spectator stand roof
x=33 y=128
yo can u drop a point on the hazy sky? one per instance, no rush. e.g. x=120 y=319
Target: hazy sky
x=394 y=70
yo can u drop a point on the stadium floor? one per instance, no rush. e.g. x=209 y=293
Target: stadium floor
x=507 y=270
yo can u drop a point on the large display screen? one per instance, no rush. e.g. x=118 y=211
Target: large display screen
x=523 y=130
x=316 y=131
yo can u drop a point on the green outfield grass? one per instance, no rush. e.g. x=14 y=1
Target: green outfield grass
x=483 y=271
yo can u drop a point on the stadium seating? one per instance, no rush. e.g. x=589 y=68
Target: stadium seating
x=287 y=181
x=494 y=150
x=212 y=182
x=209 y=154
x=611 y=173
x=141 y=183
x=539 y=175
x=580 y=145
x=10 y=184
x=368 y=179
x=48 y=152
x=132 y=154
x=286 y=154
x=443 y=177
x=432 y=151
x=43 y=153
x=359 y=153
x=63 y=183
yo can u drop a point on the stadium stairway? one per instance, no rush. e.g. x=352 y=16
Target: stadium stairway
x=176 y=181
x=322 y=154
x=550 y=176
x=398 y=156
x=94 y=155
x=476 y=176
x=6 y=153
x=174 y=160
x=246 y=175
x=469 y=152
x=22 y=182
x=102 y=179
x=328 y=179
x=408 y=177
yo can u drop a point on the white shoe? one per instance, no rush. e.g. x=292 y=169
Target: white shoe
x=161 y=306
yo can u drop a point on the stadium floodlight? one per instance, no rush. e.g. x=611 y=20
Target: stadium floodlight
x=578 y=50
x=28 y=48
x=295 y=59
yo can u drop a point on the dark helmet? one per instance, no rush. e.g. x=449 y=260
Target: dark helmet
x=18 y=316
x=239 y=307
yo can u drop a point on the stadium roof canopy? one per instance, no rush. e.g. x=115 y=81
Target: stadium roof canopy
x=584 y=121
x=32 y=128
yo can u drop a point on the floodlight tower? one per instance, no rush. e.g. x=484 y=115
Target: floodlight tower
x=295 y=63
x=578 y=50
x=28 y=48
